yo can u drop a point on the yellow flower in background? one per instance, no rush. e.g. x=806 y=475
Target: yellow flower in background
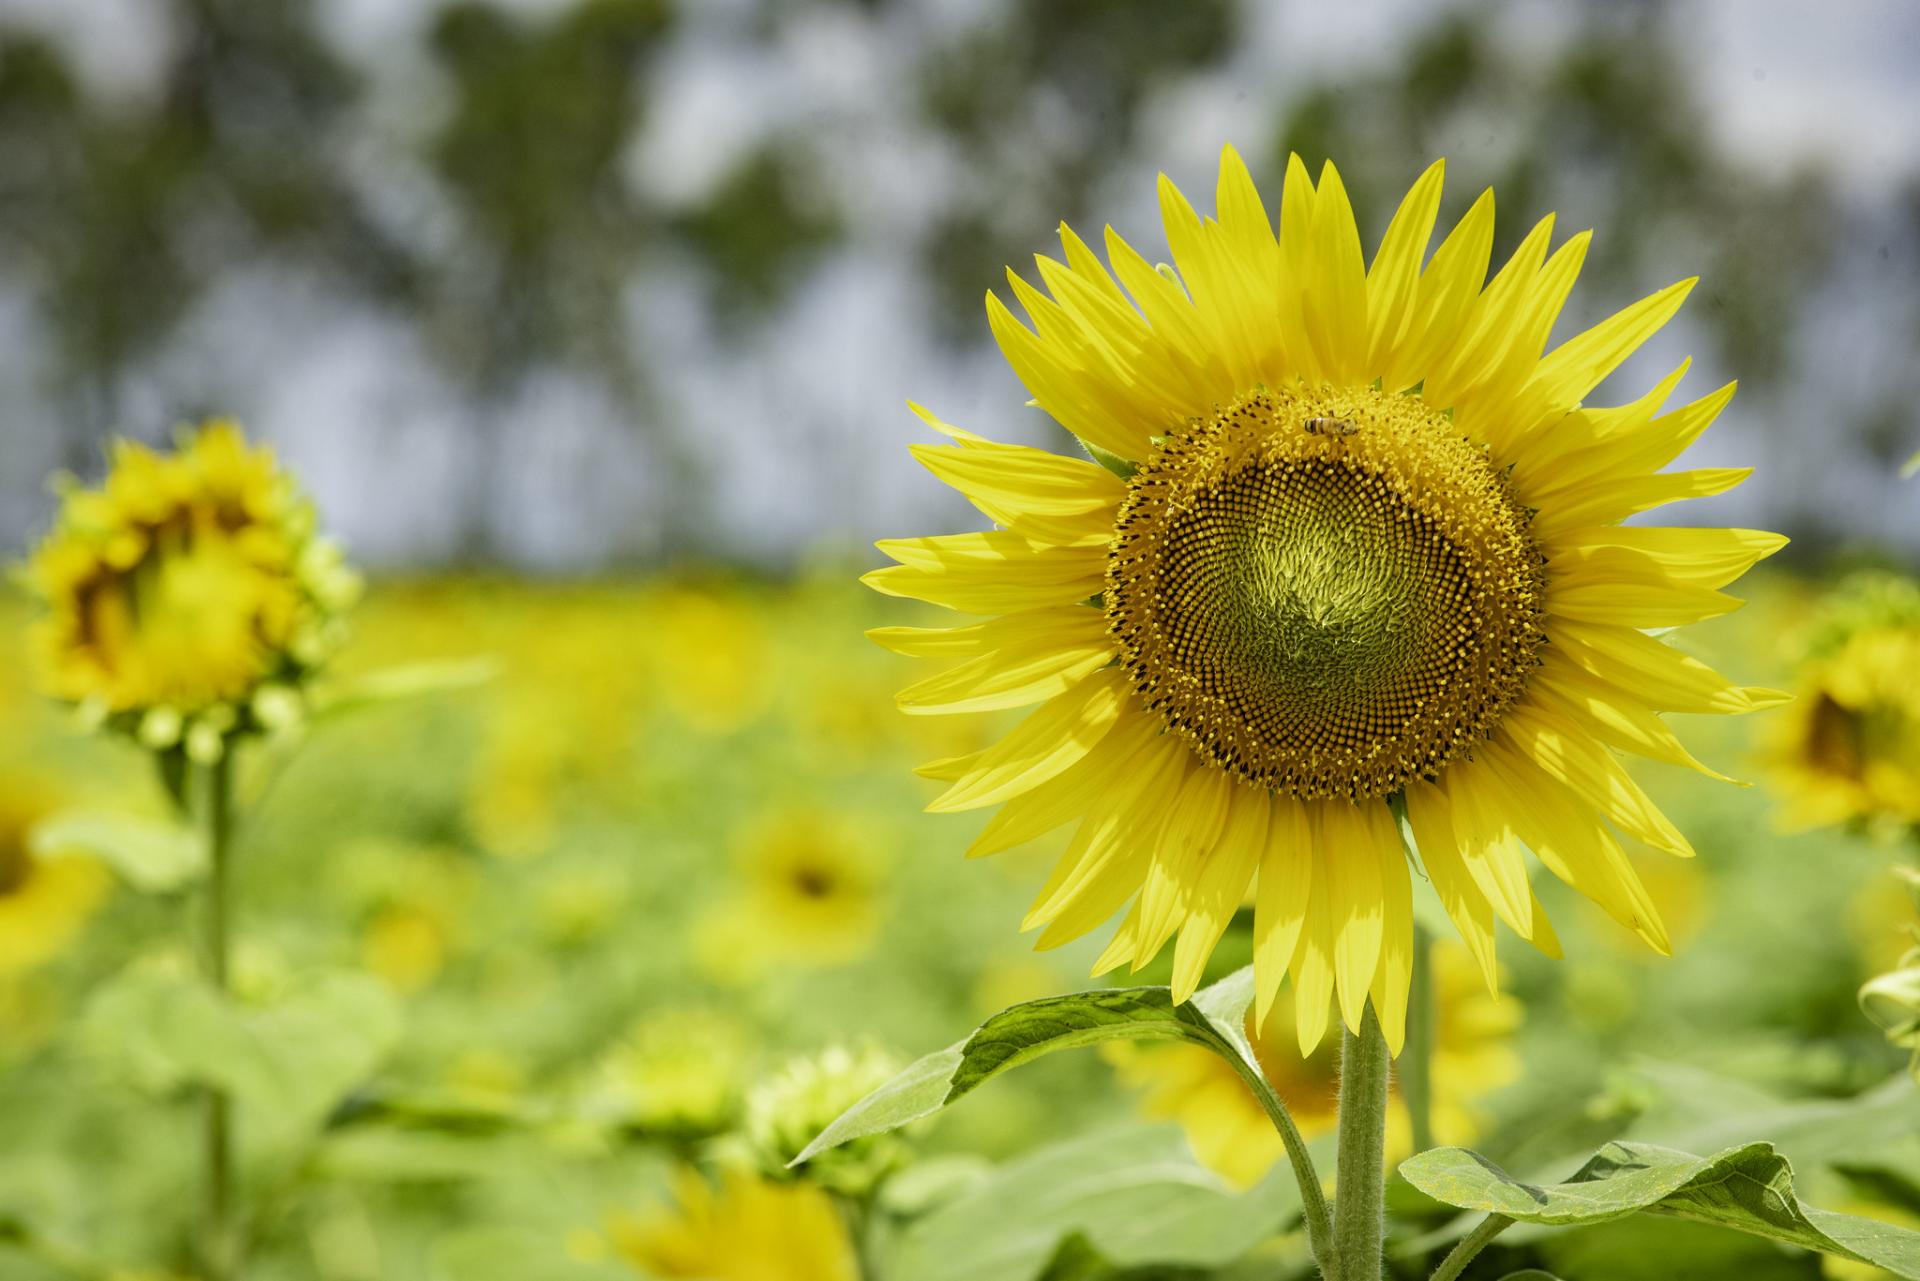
x=189 y=584
x=742 y=1228
x=1230 y=1133
x=1850 y=748
x=43 y=900
x=711 y=659
x=1354 y=538
x=812 y=888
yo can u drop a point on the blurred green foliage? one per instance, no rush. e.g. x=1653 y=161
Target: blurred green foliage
x=508 y=954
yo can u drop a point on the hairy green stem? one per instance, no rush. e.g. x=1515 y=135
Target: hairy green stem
x=1470 y=1245
x=218 y=1244
x=1416 y=1060
x=1360 y=1182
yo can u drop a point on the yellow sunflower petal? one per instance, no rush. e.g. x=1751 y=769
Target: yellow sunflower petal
x=1054 y=736
x=1658 y=673
x=1394 y=277
x=1488 y=846
x=1073 y=792
x=1592 y=771
x=1465 y=903
x=1280 y=898
x=1613 y=714
x=1192 y=826
x=1703 y=558
x=1394 y=976
x=1355 y=900
x=1015 y=675
x=997 y=572
x=1604 y=501
x=1220 y=886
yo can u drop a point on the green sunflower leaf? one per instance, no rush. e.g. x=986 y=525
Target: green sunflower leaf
x=400 y=684
x=1031 y=1030
x=1747 y=1188
x=153 y=855
x=287 y=1060
x=1134 y=1197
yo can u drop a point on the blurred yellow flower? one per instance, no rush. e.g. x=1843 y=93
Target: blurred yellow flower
x=812 y=889
x=1231 y=1135
x=1850 y=747
x=189 y=584
x=742 y=1228
x=43 y=901
x=404 y=945
x=711 y=658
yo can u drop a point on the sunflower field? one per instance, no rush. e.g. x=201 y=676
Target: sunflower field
x=575 y=710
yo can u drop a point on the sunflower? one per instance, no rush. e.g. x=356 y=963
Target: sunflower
x=1347 y=540
x=742 y=1228
x=43 y=900
x=188 y=585
x=812 y=888
x=1229 y=1131
x=1850 y=750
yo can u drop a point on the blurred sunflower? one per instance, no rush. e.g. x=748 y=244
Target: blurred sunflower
x=1346 y=535
x=710 y=658
x=43 y=900
x=812 y=890
x=1850 y=748
x=742 y=1228
x=190 y=584
x=1472 y=1056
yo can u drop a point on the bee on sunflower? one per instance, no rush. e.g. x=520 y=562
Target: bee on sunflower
x=188 y=597
x=1345 y=546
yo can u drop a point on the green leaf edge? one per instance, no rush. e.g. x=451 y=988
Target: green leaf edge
x=1212 y=1019
x=1437 y=1173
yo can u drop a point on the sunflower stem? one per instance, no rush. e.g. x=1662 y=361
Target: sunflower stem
x=1470 y=1245
x=1313 y=1197
x=1360 y=1180
x=217 y=1241
x=1416 y=1060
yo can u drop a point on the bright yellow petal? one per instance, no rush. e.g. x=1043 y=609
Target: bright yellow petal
x=1393 y=978
x=1016 y=675
x=1220 y=886
x=1053 y=737
x=997 y=572
x=1281 y=897
x=1394 y=277
x=1591 y=770
x=1656 y=672
x=1489 y=847
x=1070 y=794
x=1350 y=865
x=1702 y=558
x=1192 y=826
x=1465 y=903
x=1605 y=501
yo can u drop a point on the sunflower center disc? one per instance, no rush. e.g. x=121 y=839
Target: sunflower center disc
x=1328 y=593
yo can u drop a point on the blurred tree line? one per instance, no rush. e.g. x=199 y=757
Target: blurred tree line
x=115 y=220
